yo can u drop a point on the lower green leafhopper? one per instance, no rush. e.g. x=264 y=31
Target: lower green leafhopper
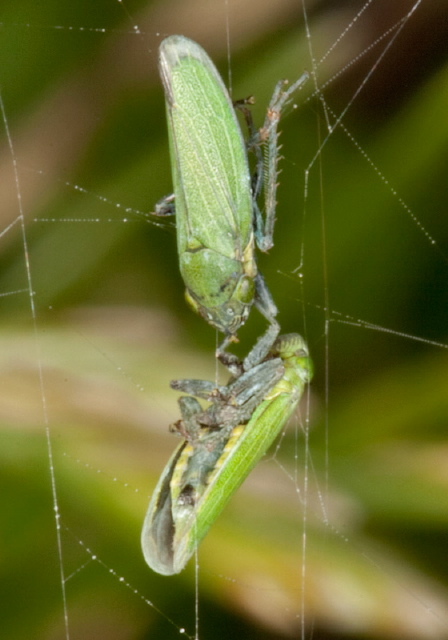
x=217 y=217
x=222 y=445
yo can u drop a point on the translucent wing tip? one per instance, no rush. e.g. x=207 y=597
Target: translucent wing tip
x=173 y=48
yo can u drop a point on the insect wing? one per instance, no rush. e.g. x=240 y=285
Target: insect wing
x=158 y=527
x=200 y=478
x=210 y=170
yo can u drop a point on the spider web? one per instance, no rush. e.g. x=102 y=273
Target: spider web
x=341 y=530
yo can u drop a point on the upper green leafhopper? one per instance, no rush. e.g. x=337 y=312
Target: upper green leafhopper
x=222 y=445
x=216 y=213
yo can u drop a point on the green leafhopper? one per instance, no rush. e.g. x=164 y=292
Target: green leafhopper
x=217 y=217
x=222 y=445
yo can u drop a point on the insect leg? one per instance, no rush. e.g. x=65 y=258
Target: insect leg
x=268 y=136
x=229 y=360
x=199 y=388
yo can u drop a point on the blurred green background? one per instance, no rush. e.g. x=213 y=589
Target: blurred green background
x=85 y=112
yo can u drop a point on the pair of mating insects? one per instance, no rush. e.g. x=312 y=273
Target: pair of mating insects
x=218 y=222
